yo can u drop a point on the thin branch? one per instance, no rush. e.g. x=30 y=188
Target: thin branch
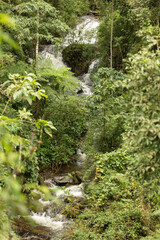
x=37 y=37
x=111 y=40
x=20 y=152
x=33 y=237
x=9 y=100
x=158 y=33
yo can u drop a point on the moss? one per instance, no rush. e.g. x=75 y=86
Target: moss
x=79 y=56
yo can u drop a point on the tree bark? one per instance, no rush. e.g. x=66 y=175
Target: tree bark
x=111 y=39
x=158 y=33
x=37 y=38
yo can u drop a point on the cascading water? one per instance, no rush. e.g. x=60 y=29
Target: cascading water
x=86 y=33
x=50 y=216
x=85 y=81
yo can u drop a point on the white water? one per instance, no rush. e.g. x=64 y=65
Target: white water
x=55 y=224
x=74 y=191
x=86 y=83
x=85 y=32
x=81 y=157
x=51 y=217
x=56 y=58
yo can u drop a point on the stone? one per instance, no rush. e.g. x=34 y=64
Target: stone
x=62 y=180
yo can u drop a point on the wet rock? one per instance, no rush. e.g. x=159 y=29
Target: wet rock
x=62 y=180
x=76 y=176
x=26 y=229
x=79 y=91
x=41 y=180
x=49 y=182
x=95 y=13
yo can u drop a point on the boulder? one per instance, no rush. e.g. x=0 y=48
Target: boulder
x=62 y=180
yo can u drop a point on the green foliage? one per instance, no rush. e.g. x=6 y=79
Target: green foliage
x=121 y=221
x=74 y=207
x=126 y=186
x=113 y=212
x=4 y=227
x=142 y=125
x=10 y=65
x=124 y=195
x=18 y=153
x=129 y=17
x=11 y=198
x=112 y=184
x=152 y=236
x=32 y=25
x=79 y=57
x=71 y=9
x=107 y=109
x=69 y=117
x=4 y=37
x=22 y=88
x=61 y=80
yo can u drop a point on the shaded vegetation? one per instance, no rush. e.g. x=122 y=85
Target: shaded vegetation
x=79 y=57
x=42 y=122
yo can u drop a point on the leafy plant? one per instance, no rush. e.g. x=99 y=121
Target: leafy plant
x=107 y=109
x=70 y=123
x=33 y=27
x=142 y=125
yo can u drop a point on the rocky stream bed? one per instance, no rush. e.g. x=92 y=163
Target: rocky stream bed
x=49 y=220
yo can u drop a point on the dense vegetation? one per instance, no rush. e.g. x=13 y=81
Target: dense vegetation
x=42 y=121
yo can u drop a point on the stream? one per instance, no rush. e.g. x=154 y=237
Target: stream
x=49 y=222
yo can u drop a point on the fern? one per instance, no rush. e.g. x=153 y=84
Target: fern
x=61 y=80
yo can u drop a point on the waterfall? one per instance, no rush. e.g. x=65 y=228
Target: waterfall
x=50 y=216
x=85 y=32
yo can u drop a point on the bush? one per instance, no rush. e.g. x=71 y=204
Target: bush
x=69 y=117
x=114 y=210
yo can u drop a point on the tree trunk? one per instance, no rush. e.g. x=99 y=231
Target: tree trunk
x=111 y=40
x=158 y=33
x=37 y=38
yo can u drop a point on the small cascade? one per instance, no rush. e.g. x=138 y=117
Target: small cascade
x=50 y=222
x=81 y=157
x=56 y=57
x=73 y=191
x=86 y=83
x=49 y=216
x=85 y=32
x=55 y=224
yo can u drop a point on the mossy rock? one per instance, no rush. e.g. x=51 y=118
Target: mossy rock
x=36 y=195
x=79 y=56
x=76 y=177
